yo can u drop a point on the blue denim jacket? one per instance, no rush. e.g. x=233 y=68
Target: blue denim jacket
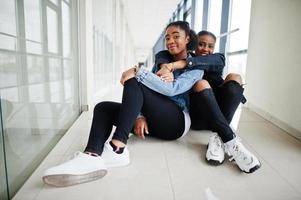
x=178 y=90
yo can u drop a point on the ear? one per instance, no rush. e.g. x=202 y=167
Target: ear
x=187 y=40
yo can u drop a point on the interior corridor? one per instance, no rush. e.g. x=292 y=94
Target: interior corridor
x=177 y=170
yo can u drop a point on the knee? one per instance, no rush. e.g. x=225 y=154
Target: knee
x=233 y=77
x=201 y=85
x=100 y=106
x=131 y=81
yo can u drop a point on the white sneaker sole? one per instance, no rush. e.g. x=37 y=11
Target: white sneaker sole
x=63 y=180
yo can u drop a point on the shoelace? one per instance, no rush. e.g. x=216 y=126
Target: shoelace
x=239 y=153
x=217 y=142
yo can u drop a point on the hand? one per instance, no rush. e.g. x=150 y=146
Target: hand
x=141 y=127
x=126 y=75
x=164 y=70
x=167 y=77
x=165 y=74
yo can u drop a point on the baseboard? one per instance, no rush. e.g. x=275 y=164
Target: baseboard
x=281 y=124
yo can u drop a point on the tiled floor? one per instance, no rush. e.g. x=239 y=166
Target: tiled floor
x=161 y=170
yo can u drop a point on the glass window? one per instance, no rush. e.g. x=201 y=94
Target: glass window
x=188 y=4
x=35 y=69
x=28 y=111
x=52 y=30
x=198 y=16
x=214 y=19
x=7 y=17
x=55 y=91
x=237 y=64
x=55 y=69
x=8 y=70
x=7 y=25
x=3 y=183
x=32 y=20
x=240 y=18
x=37 y=93
x=66 y=29
x=188 y=19
x=67 y=69
x=33 y=26
x=54 y=1
x=7 y=42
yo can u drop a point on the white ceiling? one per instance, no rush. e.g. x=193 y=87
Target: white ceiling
x=146 y=20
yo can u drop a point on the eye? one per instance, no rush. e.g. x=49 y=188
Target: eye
x=201 y=44
x=211 y=46
x=176 y=37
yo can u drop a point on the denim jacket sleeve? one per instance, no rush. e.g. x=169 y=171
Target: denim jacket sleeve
x=211 y=63
x=161 y=58
x=181 y=84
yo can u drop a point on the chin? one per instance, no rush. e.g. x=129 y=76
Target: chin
x=173 y=52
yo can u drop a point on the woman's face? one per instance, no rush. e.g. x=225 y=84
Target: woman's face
x=206 y=45
x=176 y=40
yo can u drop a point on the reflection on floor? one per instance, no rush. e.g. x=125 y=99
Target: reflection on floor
x=177 y=169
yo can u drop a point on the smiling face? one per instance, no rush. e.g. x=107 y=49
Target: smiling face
x=176 y=41
x=206 y=45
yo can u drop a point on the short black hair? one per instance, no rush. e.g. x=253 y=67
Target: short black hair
x=201 y=33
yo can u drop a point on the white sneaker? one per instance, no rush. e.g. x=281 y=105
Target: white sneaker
x=82 y=168
x=215 y=154
x=245 y=160
x=113 y=159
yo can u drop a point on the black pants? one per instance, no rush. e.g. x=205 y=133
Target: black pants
x=164 y=118
x=213 y=109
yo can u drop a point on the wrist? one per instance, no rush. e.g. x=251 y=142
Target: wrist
x=169 y=68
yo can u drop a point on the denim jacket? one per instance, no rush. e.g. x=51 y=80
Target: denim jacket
x=212 y=65
x=178 y=90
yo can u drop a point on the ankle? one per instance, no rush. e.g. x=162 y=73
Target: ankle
x=91 y=153
x=117 y=149
x=117 y=143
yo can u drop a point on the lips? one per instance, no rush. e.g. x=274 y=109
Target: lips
x=204 y=53
x=172 y=47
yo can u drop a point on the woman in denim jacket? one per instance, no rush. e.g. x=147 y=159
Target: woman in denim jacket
x=163 y=104
x=213 y=101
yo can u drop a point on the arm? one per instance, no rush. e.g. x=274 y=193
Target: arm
x=182 y=83
x=211 y=63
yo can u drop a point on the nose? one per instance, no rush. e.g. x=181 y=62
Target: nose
x=206 y=47
x=170 y=41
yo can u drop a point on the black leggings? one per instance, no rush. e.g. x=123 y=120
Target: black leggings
x=214 y=109
x=165 y=119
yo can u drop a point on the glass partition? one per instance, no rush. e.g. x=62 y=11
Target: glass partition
x=3 y=179
x=38 y=83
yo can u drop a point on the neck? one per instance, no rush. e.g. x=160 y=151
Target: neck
x=180 y=56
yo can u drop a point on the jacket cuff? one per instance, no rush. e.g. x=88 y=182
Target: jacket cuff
x=141 y=74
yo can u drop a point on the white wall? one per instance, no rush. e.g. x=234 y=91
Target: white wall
x=274 y=62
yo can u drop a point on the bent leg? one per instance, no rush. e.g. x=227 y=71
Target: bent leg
x=107 y=114
x=229 y=95
x=104 y=117
x=207 y=105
